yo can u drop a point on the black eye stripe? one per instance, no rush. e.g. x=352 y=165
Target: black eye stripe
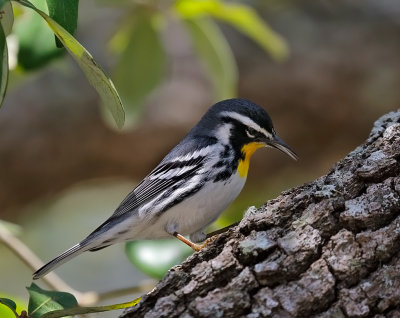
x=251 y=132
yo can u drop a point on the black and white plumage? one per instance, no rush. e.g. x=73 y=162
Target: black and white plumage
x=192 y=185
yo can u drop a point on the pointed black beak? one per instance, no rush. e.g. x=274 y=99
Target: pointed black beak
x=278 y=143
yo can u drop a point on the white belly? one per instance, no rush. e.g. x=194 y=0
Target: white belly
x=195 y=212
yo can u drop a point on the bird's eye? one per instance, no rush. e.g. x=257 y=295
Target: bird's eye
x=251 y=132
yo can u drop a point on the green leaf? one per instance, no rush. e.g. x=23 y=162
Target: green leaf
x=65 y=13
x=54 y=304
x=3 y=65
x=240 y=16
x=89 y=310
x=156 y=257
x=141 y=65
x=42 y=301
x=93 y=72
x=9 y=303
x=9 y=308
x=35 y=42
x=214 y=51
x=6 y=16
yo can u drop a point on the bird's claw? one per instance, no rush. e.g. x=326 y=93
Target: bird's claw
x=199 y=247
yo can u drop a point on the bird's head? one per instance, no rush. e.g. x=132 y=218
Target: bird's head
x=245 y=125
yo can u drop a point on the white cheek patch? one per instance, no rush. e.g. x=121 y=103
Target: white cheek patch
x=223 y=133
x=247 y=122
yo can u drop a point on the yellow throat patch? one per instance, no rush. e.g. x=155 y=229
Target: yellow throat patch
x=248 y=151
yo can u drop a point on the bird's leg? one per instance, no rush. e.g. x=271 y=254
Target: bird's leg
x=194 y=246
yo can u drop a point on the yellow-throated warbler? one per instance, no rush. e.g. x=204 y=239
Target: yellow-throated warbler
x=192 y=185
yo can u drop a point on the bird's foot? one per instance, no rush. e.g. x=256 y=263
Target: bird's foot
x=194 y=246
x=199 y=247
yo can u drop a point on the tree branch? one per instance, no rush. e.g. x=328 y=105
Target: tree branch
x=330 y=248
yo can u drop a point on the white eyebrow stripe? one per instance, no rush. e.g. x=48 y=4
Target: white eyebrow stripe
x=247 y=122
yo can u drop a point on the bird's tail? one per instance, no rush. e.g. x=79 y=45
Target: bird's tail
x=61 y=259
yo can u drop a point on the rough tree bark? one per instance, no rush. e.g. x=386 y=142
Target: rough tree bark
x=330 y=248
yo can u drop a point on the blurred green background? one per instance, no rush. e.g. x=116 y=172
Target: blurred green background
x=63 y=169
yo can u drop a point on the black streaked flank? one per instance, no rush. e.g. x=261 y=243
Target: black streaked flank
x=219 y=164
x=223 y=175
x=179 y=199
x=226 y=153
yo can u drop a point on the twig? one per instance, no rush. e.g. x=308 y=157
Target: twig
x=32 y=261
x=144 y=287
x=52 y=280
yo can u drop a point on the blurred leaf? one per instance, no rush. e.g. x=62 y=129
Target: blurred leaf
x=7 y=20
x=89 y=310
x=141 y=65
x=65 y=13
x=213 y=49
x=93 y=72
x=42 y=301
x=7 y=312
x=12 y=308
x=35 y=41
x=9 y=303
x=14 y=305
x=240 y=16
x=3 y=65
x=156 y=257
x=7 y=16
